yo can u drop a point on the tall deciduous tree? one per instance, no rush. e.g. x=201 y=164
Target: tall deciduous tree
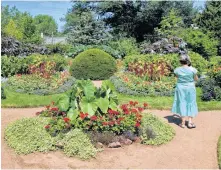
x=138 y=18
x=45 y=24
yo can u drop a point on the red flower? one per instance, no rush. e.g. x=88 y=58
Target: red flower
x=52 y=102
x=126 y=112
x=47 y=126
x=111 y=123
x=94 y=118
x=66 y=119
x=137 y=124
x=105 y=123
x=120 y=119
x=145 y=105
x=131 y=103
x=135 y=103
x=114 y=112
x=83 y=116
x=140 y=109
x=47 y=107
x=134 y=110
x=38 y=113
x=54 y=109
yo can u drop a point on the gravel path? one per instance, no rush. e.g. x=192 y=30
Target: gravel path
x=195 y=148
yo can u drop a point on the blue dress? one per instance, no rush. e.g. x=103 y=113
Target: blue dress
x=185 y=93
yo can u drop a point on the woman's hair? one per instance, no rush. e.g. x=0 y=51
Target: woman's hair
x=185 y=59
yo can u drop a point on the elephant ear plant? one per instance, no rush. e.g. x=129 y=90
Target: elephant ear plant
x=87 y=98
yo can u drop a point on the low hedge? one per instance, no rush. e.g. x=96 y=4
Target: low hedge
x=93 y=64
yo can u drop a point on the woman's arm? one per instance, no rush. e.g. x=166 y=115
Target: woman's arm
x=196 y=77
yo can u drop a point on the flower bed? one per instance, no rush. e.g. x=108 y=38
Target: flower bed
x=43 y=79
x=88 y=116
x=35 y=84
x=130 y=84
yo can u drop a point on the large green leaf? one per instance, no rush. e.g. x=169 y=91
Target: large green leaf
x=63 y=103
x=73 y=104
x=103 y=104
x=72 y=114
x=107 y=84
x=89 y=107
x=87 y=87
x=113 y=105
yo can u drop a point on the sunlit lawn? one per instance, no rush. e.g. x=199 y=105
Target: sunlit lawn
x=25 y=100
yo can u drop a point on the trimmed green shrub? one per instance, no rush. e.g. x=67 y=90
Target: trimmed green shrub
x=28 y=135
x=154 y=131
x=77 y=143
x=93 y=64
x=3 y=93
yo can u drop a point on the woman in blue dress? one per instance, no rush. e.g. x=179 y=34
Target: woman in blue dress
x=185 y=93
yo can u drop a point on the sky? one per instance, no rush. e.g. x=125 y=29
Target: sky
x=56 y=9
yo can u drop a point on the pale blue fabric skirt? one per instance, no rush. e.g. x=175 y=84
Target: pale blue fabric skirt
x=185 y=100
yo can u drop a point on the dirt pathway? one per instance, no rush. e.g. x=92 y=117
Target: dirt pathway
x=194 y=148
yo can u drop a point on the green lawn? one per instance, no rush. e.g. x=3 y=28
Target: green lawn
x=24 y=100
x=219 y=152
x=14 y=99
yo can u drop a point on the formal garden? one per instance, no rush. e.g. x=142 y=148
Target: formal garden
x=98 y=90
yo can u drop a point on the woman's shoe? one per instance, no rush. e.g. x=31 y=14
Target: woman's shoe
x=191 y=125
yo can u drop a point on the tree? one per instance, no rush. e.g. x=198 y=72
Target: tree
x=12 y=30
x=210 y=18
x=45 y=24
x=83 y=27
x=140 y=18
x=170 y=24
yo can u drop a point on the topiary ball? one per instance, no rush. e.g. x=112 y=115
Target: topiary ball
x=93 y=64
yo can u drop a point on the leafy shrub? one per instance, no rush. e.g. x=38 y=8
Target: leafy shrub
x=27 y=135
x=59 y=48
x=76 y=143
x=199 y=42
x=93 y=64
x=3 y=93
x=130 y=84
x=35 y=84
x=215 y=61
x=14 y=65
x=126 y=46
x=208 y=93
x=154 y=131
